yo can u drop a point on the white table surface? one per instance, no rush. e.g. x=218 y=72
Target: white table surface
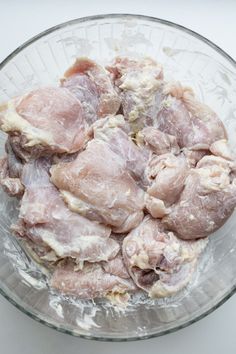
x=22 y=19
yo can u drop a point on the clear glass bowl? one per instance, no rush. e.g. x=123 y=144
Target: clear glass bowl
x=186 y=56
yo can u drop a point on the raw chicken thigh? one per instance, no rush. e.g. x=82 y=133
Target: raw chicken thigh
x=10 y=172
x=91 y=84
x=207 y=201
x=157 y=141
x=221 y=148
x=45 y=219
x=98 y=186
x=167 y=173
x=193 y=156
x=91 y=282
x=115 y=132
x=140 y=85
x=158 y=261
x=147 y=100
x=15 y=164
x=11 y=185
x=45 y=121
x=116 y=266
x=155 y=207
x=40 y=253
x=193 y=123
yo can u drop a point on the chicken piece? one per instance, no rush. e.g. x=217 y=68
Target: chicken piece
x=207 y=201
x=10 y=172
x=10 y=185
x=193 y=156
x=20 y=152
x=193 y=123
x=45 y=121
x=98 y=186
x=157 y=141
x=116 y=267
x=64 y=158
x=159 y=262
x=221 y=148
x=114 y=130
x=91 y=84
x=167 y=174
x=139 y=83
x=156 y=207
x=216 y=161
x=191 y=132
x=42 y=254
x=15 y=164
x=90 y=282
x=45 y=219
x=200 y=111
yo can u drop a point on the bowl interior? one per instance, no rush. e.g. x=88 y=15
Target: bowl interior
x=186 y=57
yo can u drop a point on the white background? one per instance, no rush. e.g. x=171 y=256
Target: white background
x=22 y=19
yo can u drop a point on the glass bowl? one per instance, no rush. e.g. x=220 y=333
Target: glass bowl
x=187 y=57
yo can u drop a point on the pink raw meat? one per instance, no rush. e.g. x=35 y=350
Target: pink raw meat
x=158 y=261
x=167 y=174
x=45 y=219
x=157 y=141
x=98 y=186
x=45 y=121
x=140 y=85
x=207 y=201
x=90 y=282
x=91 y=84
x=193 y=123
x=115 y=131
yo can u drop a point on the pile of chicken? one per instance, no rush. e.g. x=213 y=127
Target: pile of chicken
x=121 y=177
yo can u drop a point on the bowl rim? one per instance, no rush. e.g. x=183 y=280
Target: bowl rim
x=3 y=290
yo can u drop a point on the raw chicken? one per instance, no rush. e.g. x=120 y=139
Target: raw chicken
x=116 y=266
x=98 y=186
x=15 y=164
x=193 y=123
x=167 y=174
x=90 y=282
x=193 y=156
x=221 y=148
x=140 y=85
x=213 y=126
x=40 y=253
x=45 y=121
x=158 y=261
x=207 y=201
x=10 y=172
x=45 y=219
x=149 y=101
x=91 y=84
x=10 y=185
x=157 y=141
x=155 y=206
x=115 y=132
x=211 y=160
x=88 y=176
